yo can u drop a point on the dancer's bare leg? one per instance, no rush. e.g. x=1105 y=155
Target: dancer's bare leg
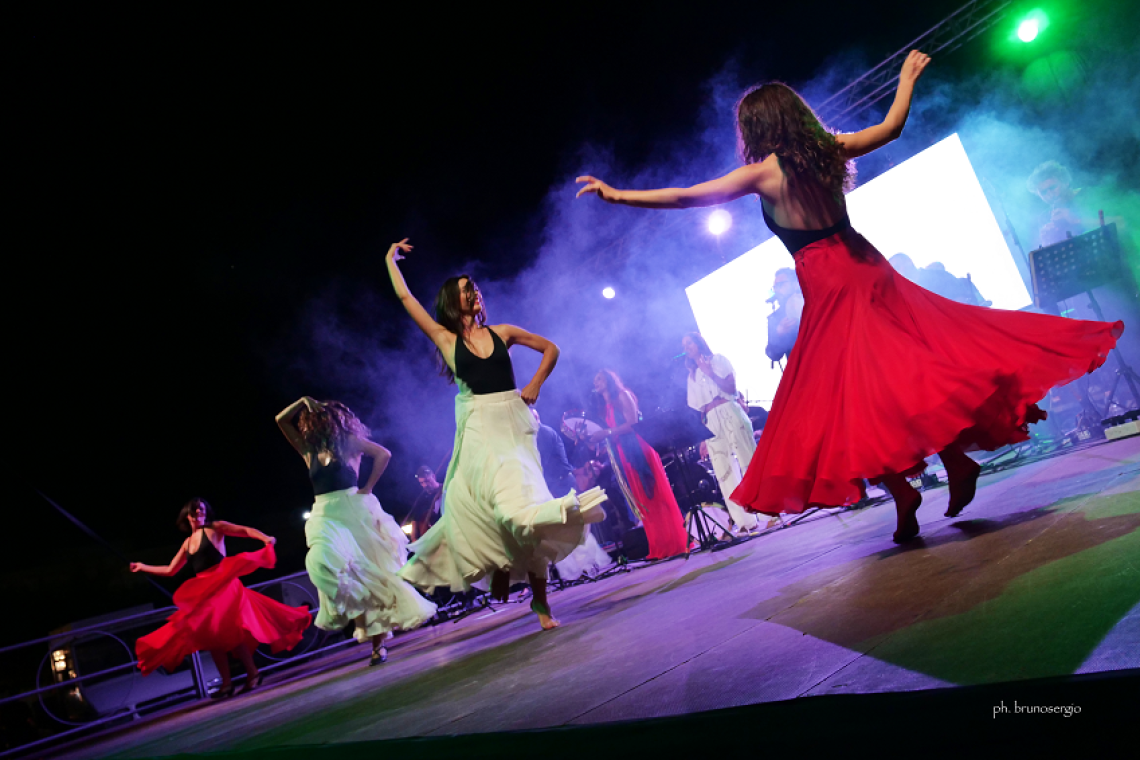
x=962 y=474
x=500 y=585
x=539 y=604
x=252 y=676
x=907 y=502
x=222 y=663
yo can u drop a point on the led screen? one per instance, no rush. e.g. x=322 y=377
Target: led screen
x=930 y=207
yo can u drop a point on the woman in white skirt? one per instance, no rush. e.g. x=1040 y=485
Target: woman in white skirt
x=355 y=547
x=499 y=518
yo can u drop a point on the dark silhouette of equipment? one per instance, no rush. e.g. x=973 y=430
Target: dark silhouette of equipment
x=1075 y=266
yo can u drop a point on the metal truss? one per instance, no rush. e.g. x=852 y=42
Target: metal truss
x=952 y=32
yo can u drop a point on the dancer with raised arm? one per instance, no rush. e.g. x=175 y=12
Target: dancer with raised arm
x=216 y=612
x=356 y=549
x=498 y=518
x=959 y=376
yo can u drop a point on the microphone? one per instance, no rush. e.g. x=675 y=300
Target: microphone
x=681 y=355
x=772 y=299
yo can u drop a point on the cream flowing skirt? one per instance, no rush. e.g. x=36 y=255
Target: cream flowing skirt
x=355 y=552
x=497 y=511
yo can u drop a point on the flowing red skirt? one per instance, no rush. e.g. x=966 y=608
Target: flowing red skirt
x=885 y=373
x=216 y=612
x=660 y=516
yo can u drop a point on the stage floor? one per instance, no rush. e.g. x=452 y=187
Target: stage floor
x=1037 y=578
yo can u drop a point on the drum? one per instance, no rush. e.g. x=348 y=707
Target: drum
x=578 y=429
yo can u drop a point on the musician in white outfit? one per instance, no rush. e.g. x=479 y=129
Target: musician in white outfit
x=712 y=392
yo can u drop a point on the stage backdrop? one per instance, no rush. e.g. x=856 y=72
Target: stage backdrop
x=930 y=207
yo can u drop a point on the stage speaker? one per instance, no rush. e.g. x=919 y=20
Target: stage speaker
x=634 y=544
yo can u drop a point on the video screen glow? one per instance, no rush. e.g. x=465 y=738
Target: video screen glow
x=931 y=207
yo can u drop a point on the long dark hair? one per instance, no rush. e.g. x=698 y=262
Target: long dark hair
x=183 y=521
x=614 y=387
x=773 y=118
x=449 y=314
x=330 y=428
x=702 y=346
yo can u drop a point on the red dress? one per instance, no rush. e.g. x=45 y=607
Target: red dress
x=885 y=373
x=660 y=515
x=216 y=612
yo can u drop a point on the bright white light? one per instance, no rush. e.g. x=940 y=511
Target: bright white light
x=719 y=221
x=930 y=207
x=305 y=515
x=407 y=528
x=608 y=292
x=1027 y=30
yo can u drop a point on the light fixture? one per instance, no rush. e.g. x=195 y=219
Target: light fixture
x=608 y=292
x=719 y=221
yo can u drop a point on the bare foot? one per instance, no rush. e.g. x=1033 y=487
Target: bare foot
x=547 y=622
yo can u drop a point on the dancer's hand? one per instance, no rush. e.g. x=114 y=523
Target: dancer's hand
x=269 y=540
x=599 y=188
x=364 y=491
x=530 y=393
x=136 y=567
x=913 y=67
x=312 y=404
x=704 y=365
x=394 y=251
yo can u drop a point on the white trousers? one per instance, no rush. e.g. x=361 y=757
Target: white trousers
x=730 y=452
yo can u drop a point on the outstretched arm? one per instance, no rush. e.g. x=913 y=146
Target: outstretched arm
x=285 y=422
x=241 y=531
x=512 y=335
x=861 y=143
x=164 y=570
x=439 y=335
x=735 y=184
x=380 y=459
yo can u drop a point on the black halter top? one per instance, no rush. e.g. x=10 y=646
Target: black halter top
x=335 y=476
x=794 y=240
x=494 y=374
x=207 y=555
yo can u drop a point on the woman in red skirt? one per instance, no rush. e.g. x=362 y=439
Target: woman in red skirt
x=640 y=467
x=215 y=611
x=955 y=378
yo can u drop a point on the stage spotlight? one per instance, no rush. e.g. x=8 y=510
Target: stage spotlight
x=407 y=528
x=305 y=515
x=719 y=221
x=608 y=292
x=1027 y=30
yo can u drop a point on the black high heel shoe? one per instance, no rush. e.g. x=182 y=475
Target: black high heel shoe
x=223 y=693
x=379 y=655
x=251 y=683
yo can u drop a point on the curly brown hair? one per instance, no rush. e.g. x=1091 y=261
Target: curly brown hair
x=773 y=118
x=330 y=428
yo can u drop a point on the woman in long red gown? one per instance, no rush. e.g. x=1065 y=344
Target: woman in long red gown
x=956 y=377
x=215 y=611
x=653 y=498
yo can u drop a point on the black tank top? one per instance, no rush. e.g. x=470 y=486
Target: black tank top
x=207 y=555
x=335 y=476
x=491 y=375
x=794 y=240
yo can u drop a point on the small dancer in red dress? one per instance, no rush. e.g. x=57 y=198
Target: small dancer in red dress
x=884 y=373
x=215 y=611
x=652 y=497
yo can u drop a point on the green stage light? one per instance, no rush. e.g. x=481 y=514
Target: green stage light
x=1031 y=25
